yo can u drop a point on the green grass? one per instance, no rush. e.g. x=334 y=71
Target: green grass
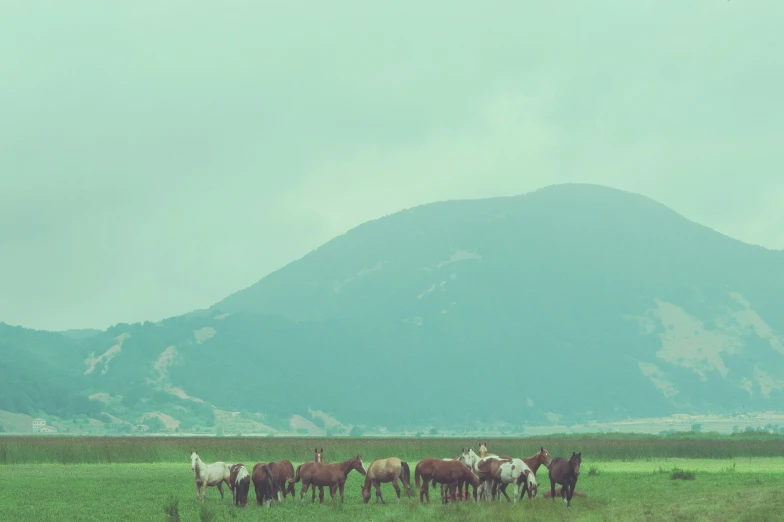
x=621 y=491
x=625 y=477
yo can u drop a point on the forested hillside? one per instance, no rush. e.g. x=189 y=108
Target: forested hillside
x=569 y=304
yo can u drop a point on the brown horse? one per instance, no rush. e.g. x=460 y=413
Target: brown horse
x=239 y=484
x=283 y=473
x=449 y=472
x=332 y=475
x=386 y=470
x=317 y=457
x=565 y=472
x=445 y=487
x=264 y=484
x=540 y=458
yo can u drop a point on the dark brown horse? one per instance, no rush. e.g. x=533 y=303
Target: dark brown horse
x=264 y=484
x=449 y=472
x=283 y=474
x=332 y=475
x=565 y=472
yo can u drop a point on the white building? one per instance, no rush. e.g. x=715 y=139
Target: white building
x=38 y=425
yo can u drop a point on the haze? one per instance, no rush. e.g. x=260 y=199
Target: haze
x=157 y=156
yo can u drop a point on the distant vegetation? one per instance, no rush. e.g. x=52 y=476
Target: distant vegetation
x=604 y=447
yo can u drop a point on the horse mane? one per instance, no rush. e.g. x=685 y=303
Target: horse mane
x=405 y=472
x=197 y=467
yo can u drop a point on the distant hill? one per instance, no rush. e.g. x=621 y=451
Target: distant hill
x=570 y=304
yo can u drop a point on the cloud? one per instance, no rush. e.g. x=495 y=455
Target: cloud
x=157 y=156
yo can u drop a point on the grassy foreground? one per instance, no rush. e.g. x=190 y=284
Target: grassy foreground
x=751 y=490
x=625 y=478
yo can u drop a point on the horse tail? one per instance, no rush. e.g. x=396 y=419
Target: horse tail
x=405 y=473
x=296 y=474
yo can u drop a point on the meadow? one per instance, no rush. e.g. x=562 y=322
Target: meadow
x=625 y=477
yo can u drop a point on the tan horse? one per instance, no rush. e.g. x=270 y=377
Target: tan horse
x=386 y=470
x=332 y=475
x=449 y=472
x=483 y=451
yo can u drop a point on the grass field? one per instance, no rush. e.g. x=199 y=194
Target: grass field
x=740 y=488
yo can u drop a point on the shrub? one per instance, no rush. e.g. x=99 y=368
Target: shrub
x=171 y=507
x=679 y=474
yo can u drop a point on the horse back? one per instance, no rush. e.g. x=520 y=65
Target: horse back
x=286 y=469
x=233 y=472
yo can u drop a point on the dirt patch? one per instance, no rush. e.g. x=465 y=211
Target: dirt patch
x=92 y=362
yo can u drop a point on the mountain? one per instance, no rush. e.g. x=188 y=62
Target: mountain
x=569 y=304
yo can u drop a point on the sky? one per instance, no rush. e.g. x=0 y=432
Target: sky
x=159 y=155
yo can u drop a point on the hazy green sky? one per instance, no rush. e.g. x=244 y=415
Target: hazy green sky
x=158 y=155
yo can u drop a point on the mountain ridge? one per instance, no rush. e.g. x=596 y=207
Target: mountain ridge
x=655 y=314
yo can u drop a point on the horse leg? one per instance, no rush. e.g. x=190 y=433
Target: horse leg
x=397 y=489
x=197 y=491
x=502 y=489
x=303 y=489
x=343 y=484
x=220 y=488
x=570 y=493
x=552 y=489
x=379 y=496
x=516 y=491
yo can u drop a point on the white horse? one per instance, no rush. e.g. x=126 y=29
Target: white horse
x=515 y=472
x=472 y=461
x=214 y=474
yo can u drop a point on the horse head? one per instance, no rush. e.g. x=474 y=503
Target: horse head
x=482 y=447
x=357 y=464
x=319 y=457
x=468 y=458
x=366 y=492
x=544 y=456
x=194 y=460
x=531 y=483
x=574 y=462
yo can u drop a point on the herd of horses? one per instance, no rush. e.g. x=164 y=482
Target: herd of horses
x=489 y=475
